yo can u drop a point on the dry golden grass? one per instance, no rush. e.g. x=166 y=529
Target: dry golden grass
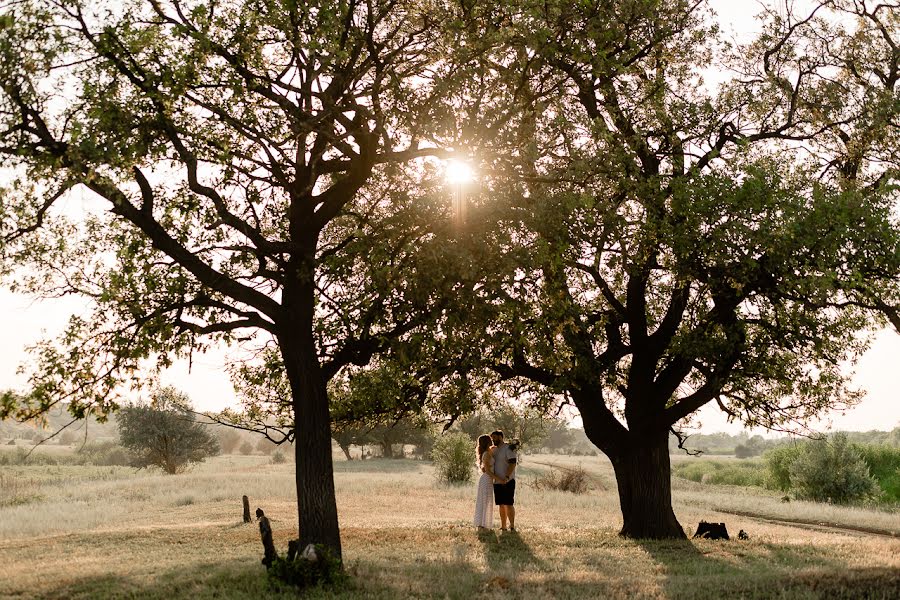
x=112 y=533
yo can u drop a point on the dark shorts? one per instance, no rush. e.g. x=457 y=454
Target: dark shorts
x=505 y=493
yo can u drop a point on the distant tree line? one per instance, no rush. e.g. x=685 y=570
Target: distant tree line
x=744 y=445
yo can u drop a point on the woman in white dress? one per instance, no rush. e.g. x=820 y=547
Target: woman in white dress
x=484 y=500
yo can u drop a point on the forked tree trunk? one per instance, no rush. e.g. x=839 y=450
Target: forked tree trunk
x=644 y=478
x=346 y=451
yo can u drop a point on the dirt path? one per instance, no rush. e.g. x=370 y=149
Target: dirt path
x=801 y=523
x=814 y=525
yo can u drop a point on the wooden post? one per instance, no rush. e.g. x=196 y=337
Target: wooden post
x=265 y=532
x=247 y=518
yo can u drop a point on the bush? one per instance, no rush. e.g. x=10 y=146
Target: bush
x=884 y=465
x=164 y=433
x=574 y=480
x=779 y=461
x=306 y=573
x=278 y=457
x=833 y=471
x=228 y=439
x=742 y=451
x=266 y=446
x=454 y=456
x=103 y=454
x=246 y=448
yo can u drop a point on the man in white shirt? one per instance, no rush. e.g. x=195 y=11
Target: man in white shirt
x=505 y=460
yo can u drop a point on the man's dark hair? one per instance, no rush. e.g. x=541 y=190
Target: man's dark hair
x=498 y=433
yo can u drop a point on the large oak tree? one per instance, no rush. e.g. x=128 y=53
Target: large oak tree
x=676 y=242
x=249 y=168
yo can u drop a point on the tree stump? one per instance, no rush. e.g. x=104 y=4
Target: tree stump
x=265 y=532
x=247 y=517
x=712 y=531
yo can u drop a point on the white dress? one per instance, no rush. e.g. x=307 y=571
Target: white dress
x=484 y=500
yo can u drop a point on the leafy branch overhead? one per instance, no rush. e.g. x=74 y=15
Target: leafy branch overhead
x=232 y=147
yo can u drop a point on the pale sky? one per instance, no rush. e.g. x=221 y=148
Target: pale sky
x=207 y=384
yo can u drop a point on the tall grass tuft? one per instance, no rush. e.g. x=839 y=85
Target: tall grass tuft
x=574 y=480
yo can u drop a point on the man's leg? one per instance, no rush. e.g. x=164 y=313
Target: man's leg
x=503 y=508
x=511 y=515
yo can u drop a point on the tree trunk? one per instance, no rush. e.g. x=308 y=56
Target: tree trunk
x=643 y=475
x=387 y=450
x=316 y=505
x=346 y=451
x=247 y=517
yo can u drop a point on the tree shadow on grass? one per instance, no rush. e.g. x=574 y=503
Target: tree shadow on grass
x=370 y=580
x=463 y=581
x=235 y=580
x=691 y=573
x=740 y=569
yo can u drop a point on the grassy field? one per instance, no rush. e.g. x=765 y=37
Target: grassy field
x=108 y=532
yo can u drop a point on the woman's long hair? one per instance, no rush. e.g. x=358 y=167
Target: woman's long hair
x=484 y=442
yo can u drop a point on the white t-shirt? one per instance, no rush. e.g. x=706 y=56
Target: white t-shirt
x=503 y=454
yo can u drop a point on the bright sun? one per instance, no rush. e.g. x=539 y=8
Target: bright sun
x=459 y=172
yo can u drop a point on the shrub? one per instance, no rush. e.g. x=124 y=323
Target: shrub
x=164 y=434
x=832 y=470
x=884 y=465
x=742 y=451
x=104 y=454
x=266 y=446
x=574 y=480
x=454 y=457
x=246 y=448
x=306 y=573
x=278 y=457
x=228 y=439
x=779 y=461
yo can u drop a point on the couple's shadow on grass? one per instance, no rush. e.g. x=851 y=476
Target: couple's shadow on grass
x=508 y=545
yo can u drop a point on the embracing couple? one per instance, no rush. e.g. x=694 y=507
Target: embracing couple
x=497 y=485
